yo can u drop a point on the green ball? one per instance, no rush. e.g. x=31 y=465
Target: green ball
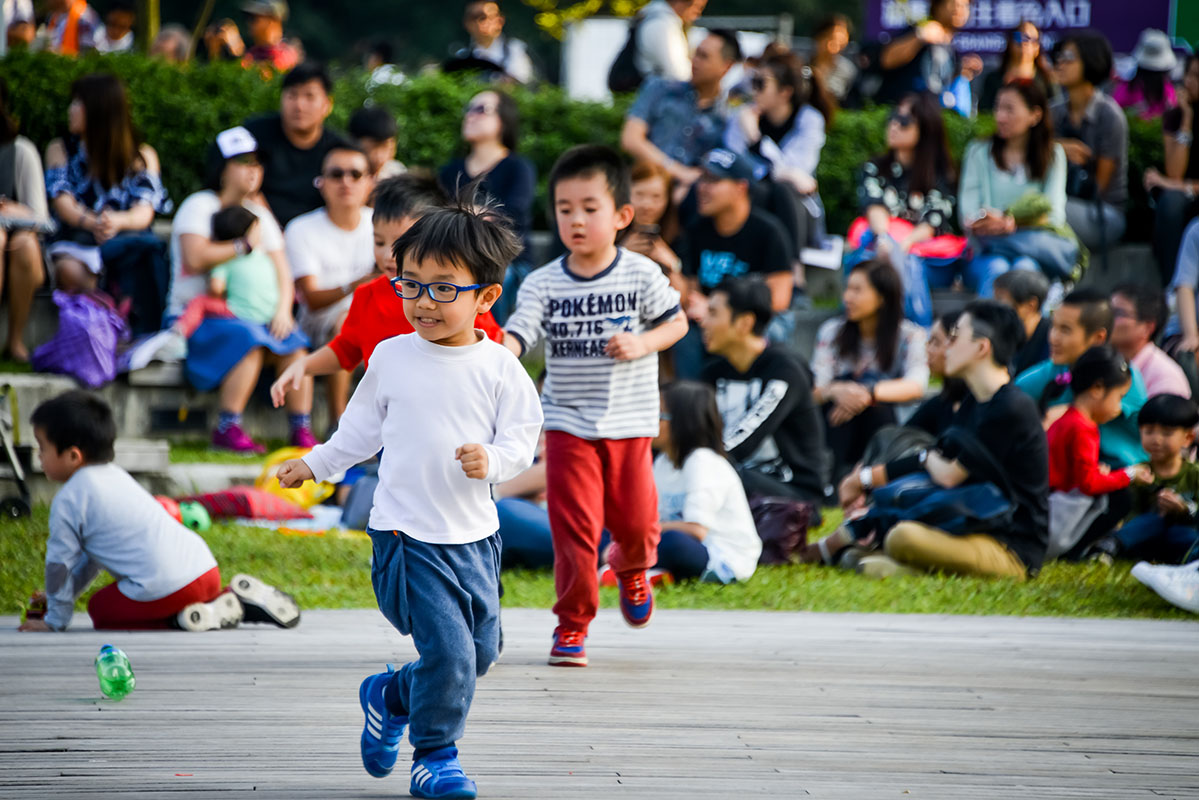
x=195 y=516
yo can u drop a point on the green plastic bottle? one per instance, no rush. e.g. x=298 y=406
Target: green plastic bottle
x=115 y=672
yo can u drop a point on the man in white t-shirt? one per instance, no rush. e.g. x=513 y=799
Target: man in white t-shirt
x=662 y=47
x=331 y=253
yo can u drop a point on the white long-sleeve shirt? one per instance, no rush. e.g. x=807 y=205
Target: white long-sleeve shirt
x=420 y=402
x=103 y=519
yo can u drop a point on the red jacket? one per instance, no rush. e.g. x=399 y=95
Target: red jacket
x=1074 y=457
x=377 y=313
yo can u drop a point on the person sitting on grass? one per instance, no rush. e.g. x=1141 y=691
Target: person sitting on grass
x=707 y=528
x=1082 y=321
x=1006 y=423
x=376 y=312
x=1080 y=485
x=1165 y=512
x=103 y=519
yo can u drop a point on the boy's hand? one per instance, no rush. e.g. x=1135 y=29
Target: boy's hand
x=292 y=473
x=289 y=381
x=474 y=460
x=35 y=625
x=626 y=347
x=1170 y=503
x=1142 y=474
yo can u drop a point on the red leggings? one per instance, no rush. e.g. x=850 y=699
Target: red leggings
x=112 y=610
x=592 y=484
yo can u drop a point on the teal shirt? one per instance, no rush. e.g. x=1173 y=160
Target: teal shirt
x=251 y=286
x=1120 y=439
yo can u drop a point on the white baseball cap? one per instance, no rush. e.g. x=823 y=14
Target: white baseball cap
x=236 y=142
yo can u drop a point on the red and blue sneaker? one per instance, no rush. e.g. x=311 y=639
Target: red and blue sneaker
x=383 y=730
x=568 y=649
x=636 y=598
x=439 y=775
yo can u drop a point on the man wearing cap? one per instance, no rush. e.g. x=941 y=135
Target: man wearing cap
x=266 y=18
x=295 y=141
x=731 y=238
x=673 y=123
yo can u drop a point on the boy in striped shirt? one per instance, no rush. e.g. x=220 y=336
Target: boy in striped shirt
x=604 y=313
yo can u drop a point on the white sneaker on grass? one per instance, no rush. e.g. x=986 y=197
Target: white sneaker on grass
x=1176 y=585
x=223 y=612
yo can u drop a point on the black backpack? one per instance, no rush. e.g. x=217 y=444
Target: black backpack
x=624 y=75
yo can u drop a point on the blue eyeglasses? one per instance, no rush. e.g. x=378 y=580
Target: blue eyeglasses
x=440 y=291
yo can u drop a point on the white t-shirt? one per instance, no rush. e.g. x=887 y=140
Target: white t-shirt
x=315 y=246
x=103 y=519
x=195 y=216
x=708 y=491
x=587 y=393
x=420 y=402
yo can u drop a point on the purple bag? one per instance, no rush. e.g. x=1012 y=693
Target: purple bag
x=85 y=346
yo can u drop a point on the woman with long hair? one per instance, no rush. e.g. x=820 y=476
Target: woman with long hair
x=491 y=134
x=707 y=528
x=1022 y=60
x=105 y=188
x=866 y=362
x=22 y=210
x=998 y=175
x=907 y=197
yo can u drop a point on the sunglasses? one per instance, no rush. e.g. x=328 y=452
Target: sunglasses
x=337 y=174
x=757 y=83
x=1020 y=37
x=1065 y=57
x=902 y=120
x=480 y=108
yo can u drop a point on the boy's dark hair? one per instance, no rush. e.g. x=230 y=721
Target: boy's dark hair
x=1023 y=285
x=1095 y=52
x=78 y=419
x=748 y=296
x=1094 y=309
x=695 y=420
x=586 y=160
x=472 y=234
x=307 y=71
x=372 y=122
x=1148 y=303
x=232 y=223
x=730 y=48
x=1169 y=411
x=407 y=195
x=999 y=324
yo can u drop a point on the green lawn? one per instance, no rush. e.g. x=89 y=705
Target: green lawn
x=332 y=572
x=192 y=451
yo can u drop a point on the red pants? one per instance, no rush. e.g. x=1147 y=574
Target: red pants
x=590 y=484
x=112 y=610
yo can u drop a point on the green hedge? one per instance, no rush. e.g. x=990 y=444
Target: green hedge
x=179 y=111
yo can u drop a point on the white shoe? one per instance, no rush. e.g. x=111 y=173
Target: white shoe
x=265 y=603
x=1176 y=585
x=223 y=612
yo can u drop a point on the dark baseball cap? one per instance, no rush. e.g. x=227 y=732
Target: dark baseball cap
x=724 y=164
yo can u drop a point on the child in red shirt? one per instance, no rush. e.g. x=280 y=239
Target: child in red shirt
x=1099 y=380
x=376 y=312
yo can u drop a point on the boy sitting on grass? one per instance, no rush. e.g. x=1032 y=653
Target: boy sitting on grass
x=103 y=519
x=454 y=413
x=1162 y=525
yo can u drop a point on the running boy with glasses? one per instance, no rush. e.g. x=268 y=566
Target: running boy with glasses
x=604 y=312
x=454 y=412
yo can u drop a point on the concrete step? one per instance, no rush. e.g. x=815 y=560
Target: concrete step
x=147 y=460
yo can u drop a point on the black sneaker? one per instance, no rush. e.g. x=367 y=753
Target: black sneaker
x=265 y=603
x=1104 y=550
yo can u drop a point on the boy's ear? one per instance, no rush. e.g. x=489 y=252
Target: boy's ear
x=487 y=297
x=624 y=216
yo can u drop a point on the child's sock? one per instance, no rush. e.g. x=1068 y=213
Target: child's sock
x=421 y=752
x=227 y=420
x=299 y=421
x=391 y=699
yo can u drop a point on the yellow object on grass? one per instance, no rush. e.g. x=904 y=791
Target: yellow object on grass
x=306 y=495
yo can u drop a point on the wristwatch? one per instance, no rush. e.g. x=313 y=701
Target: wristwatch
x=1184 y=138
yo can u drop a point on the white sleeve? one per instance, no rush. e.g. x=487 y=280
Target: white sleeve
x=659 y=300
x=301 y=254
x=915 y=366
x=802 y=151
x=195 y=215
x=68 y=569
x=525 y=321
x=28 y=178
x=272 y=236
x=662 y=50
x=359 y=431
x=517 y=424
x=705 y=494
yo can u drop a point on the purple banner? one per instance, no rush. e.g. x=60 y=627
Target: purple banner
x=1120 y=20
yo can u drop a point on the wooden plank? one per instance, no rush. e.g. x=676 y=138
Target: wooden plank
x=702 y=704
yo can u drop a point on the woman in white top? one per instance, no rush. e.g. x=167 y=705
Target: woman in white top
x=707 y=529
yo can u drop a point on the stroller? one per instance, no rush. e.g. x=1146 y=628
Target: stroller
x=15 y=457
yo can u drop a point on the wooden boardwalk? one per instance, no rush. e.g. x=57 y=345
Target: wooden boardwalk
x=699 y=705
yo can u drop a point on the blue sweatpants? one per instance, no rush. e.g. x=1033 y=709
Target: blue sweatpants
x=1152 y=538
x=446 y=596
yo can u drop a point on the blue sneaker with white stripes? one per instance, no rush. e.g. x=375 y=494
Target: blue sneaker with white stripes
x=383 y=731
x=439 y=775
